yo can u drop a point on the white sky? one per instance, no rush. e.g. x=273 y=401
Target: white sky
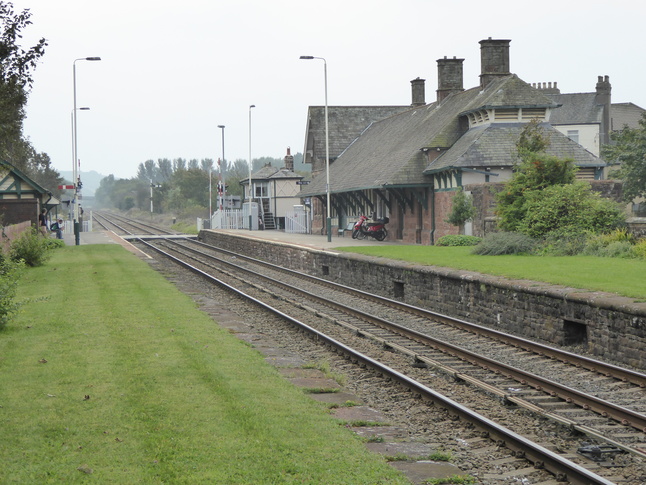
x=172 y=71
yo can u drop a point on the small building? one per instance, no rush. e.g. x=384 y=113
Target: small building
x=276 y=190
x=21 y=199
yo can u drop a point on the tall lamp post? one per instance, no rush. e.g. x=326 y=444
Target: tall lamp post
x=250 y=186
x=223 y=174
x=75 y=175
x=327 y=153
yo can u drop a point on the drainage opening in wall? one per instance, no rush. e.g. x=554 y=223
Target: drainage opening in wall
x=325 y=269
x=398 y=289
x=575 y=332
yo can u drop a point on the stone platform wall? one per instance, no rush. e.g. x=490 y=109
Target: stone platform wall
x=610 y=327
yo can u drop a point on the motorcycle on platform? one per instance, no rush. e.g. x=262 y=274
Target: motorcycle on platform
x=377 y=229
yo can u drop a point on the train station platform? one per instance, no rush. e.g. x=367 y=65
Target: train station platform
x=316 y=241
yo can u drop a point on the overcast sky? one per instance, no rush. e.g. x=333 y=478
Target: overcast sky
x=172 y=71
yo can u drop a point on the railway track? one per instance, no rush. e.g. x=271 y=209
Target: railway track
x=578 y=396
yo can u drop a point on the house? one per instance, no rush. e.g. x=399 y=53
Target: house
x=409 y=165
x=21 y=199
x=590 y=118
x=276 y=190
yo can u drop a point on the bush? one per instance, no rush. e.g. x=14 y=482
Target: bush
x=10 y=273
x=615 y=244
x=568 y=206
x=30 y=247
x=455 y=240
x=639 y=249
x=566 y=241
x=500 y=243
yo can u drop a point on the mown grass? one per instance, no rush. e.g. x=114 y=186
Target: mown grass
x=615 y=275
x=113 y=376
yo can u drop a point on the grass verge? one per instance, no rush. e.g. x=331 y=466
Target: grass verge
x=113 y=376
x=614 y=275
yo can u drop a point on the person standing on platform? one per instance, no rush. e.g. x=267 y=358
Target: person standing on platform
x=42 y=222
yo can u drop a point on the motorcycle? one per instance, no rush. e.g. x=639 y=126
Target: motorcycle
x=377 y=229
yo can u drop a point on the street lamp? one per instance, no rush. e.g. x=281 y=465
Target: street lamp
x=222 y=174
x=250 y=187
x=327 y=152
x=75 y=175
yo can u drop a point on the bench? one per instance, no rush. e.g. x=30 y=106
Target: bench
x=349 y=228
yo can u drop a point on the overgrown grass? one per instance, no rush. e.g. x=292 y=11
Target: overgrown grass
x=622 y=276
x=116 y=377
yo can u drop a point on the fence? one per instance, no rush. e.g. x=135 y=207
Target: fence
x=297 y=223
x=227 y=219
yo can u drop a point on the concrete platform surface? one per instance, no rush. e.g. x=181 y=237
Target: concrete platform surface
x=315 y=241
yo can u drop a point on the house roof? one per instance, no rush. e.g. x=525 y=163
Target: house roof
x=345 y=123
x=625 y=114
x=390 y=151
x=269 y=172
x=34 y=187
x=576 y=109
x=495 y=145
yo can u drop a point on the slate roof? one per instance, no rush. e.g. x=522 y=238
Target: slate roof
x=269 y=172
x=576 y=109
x=345 y=123
x=495 y=145
x=622 y=114
x=389 y=152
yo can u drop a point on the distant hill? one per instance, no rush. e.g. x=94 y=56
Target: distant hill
x=90 y=180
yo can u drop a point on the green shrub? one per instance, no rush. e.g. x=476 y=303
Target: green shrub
x=618 y=249
x=30 y=247
x=639 y=249
x=618 y=235
x=10 y=273
x=568 y=206
x=615 y=244
x=457 y=240
x=499 y=243
x=566 y=241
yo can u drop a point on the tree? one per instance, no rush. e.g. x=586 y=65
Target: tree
x=16 y=78
x=628 y=150
x=462 y=209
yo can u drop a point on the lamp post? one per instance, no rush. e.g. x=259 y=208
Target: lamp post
x=250 y=186
x=222 y=174
x=327 y=153
x=75 y=175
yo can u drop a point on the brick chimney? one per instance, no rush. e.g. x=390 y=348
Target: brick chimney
x=603 y=98
x=289 y=160
x=449 y=77
x=418 y=91
x=494 y=60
